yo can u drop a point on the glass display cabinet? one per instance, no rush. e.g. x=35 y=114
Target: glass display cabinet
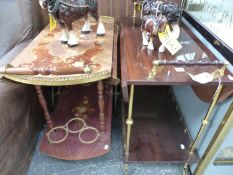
x=213 y=19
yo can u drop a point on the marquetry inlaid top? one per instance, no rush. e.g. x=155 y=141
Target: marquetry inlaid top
x=46 y=53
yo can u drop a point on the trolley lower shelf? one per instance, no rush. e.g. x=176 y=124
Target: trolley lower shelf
x=81 y=101
x=158 y=132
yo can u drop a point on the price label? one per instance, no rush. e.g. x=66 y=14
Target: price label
x=179 y=69
x=169 y=41
x=52 y=23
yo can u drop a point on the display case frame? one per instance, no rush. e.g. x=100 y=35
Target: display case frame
x=209 y=35
x=227 y=52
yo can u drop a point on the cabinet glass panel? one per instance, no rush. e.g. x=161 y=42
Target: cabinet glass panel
x=217 y=16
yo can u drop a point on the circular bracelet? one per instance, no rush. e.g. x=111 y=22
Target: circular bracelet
x=89 y=128
x=73 y=119
x=57 y=128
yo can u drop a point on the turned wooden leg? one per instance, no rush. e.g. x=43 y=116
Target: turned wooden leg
x=43 y=104
x=100 y=88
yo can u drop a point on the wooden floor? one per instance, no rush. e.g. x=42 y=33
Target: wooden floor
x=157 y=133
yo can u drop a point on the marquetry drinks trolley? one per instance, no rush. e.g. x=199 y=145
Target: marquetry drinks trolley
x=80 y=125
x=154 y=130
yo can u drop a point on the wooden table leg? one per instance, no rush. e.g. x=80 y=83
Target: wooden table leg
x=100 y=88
x=129 y=121
x=43 y=104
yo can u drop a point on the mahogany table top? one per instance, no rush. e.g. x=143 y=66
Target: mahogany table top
x=136 y=60
x=46 y=51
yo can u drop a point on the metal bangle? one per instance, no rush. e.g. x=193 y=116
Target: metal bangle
x=91 y=141
x=73 y=119
x=56 y=128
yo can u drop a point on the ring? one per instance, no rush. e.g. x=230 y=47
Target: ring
x=56 y=128
x=89 y=128
x=73 y=119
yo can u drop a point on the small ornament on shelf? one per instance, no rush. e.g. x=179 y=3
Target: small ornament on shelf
x=65 y=12
x=152 y=25
x=160 y=16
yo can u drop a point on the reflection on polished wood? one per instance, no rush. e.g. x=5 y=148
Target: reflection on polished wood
x=138 y=59
x=157 y=133
x=137 y=63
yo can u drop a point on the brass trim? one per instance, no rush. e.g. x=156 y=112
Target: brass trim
x=107 y=19
x=63 y=80
x=216 y=141
x=77 y=119
x=129 y=120
x=79 y=132
x=154 y=69
x=203 y=126
x=91 y=141
x=217 y=74
x=223 y=162
x=53 y=130
x=134 y=9
x=206 y=119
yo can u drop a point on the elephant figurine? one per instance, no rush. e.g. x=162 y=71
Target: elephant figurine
x=153 y=9
x=151 y=25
